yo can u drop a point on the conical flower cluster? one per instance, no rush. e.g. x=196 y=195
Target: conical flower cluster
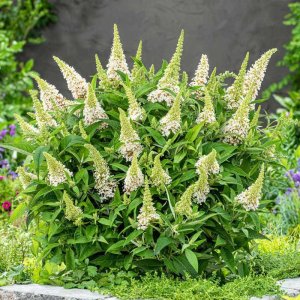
x=197 y=192
x=117 y=60
x=201 y=75
x=130 y=140
x=72 y=212
x=234 y=94
x=159 y=176
x=57 y=172
x=93 y=112
x=135 y=111
x=201 y=187
x=134 y=177
x=148 y=212
x=256 y=74
x=208 y=113
x=209 y=163
x=236 y=129
x=171 y=122
x=104 y=184
x=25 y=177
x=102 y=76
x=29 y=132
x=184 y=205
x=76 y=84
x=82 y=130
x=50 y=96
x=250 y=198
x=137 y=72
x=43 y=118
x=170 y=79
x=151 y=72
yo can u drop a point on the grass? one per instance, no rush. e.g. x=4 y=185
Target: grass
x=167 y=288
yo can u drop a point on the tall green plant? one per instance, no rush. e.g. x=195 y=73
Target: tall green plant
x=144 y=171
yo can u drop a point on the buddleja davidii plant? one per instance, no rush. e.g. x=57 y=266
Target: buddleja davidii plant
x=129 y=200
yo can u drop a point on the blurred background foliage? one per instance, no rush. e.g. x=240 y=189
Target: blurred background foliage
x=21 y=23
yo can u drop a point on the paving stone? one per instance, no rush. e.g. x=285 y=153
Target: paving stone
x=290 y=286
x=47 y=292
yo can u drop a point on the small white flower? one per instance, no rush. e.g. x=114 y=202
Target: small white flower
x=57 y=171
x=161 y=95
x=134 y=177
x=93 y=111
x=171 y=122
x=76 y=84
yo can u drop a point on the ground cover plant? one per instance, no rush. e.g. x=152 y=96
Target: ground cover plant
x=147 y=170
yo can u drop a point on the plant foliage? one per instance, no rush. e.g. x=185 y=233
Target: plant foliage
x=143 y=171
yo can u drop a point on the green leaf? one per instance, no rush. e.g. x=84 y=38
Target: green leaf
x=193 y=133
x=192 y=258
x=220 y=241
x=156 y=136
x=71 y=140
x=162 y=242
x=18 y=212
x=70 y=259
x=116 y=247
x=149 y=264
x=228 y=258
x=38 y=157
x=132 y=236
x=23 y=148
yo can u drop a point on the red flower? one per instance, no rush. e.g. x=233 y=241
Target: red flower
x=2 y=178
x=6 y=205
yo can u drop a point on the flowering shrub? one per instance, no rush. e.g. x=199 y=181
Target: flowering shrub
x=144 y=170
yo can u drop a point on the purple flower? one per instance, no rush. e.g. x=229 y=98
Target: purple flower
x=4 y=164
x=2 y=149
x=3 y=133
x=12 y=130
x=13 y=174
x=296 y=177
x=288 y=191
x=289 y=173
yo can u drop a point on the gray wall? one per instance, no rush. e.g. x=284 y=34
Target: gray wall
x=223 y=29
